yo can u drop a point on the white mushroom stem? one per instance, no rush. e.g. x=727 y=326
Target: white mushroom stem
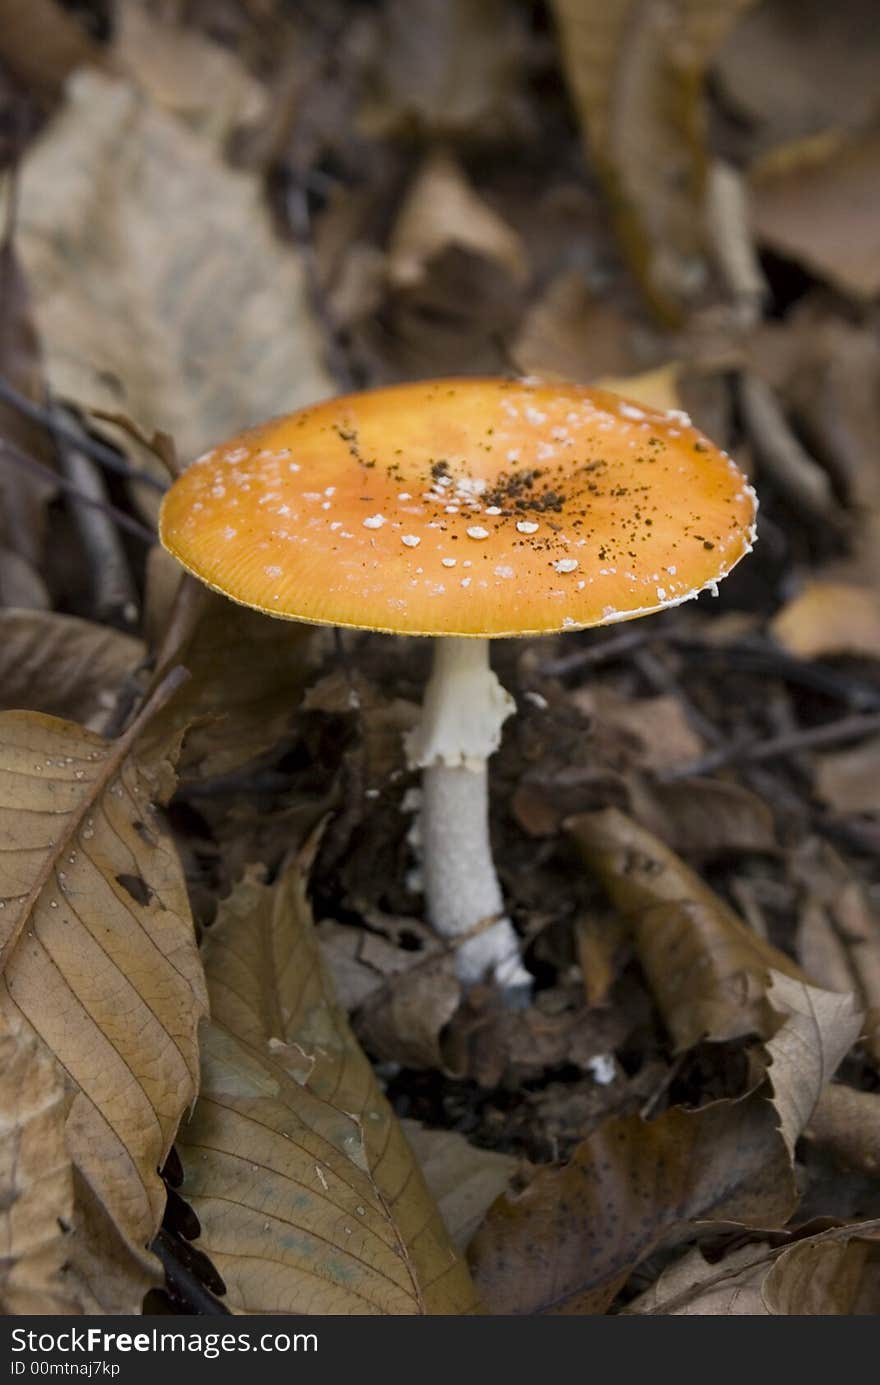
x=464 y=709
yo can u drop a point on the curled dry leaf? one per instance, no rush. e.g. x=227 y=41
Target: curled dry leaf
x=820 y=1027
x=570 y=1240
x=463 y=1180
x=709 y=972
x=636 y=74
x=36 y=1181
x=694 y=1287
x=62 y=665
x=835 y=1273
x=98 y=950
x=441 y=210
x=832 y=1273
x=308 y=1195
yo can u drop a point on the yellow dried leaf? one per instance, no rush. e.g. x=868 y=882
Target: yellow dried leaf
x=308 y=1195
x=830 y=618
x=36 y=1181
x=98 y=950
x=709 y=972
x=636 y=70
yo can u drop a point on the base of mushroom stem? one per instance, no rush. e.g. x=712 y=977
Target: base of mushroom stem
x=461 y=887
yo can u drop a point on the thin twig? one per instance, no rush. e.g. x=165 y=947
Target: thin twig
x=809 y=738
x=12 y=454
x=113 y=590
x=100 y=451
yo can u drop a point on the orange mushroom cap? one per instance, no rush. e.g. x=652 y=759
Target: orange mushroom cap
x=463 y=507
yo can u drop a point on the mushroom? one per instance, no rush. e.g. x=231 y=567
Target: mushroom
x=466 y=510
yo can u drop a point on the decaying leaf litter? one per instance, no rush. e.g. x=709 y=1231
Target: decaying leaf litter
x=217 y=212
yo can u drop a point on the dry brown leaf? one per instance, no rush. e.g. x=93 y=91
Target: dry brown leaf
x=830 y=618
x=36 y=1181
x=184 y=72
x=308 y=1195
x=707 y=816
x=463 y=1180
x=846 y=1122
x=440 y=210
x=247 y=672
x=694 y=1287
x=403 y=1022
x=708 y=971
x=819 y=1029
x=636 y=73
x=838 y=930
x=832 y=1273
x=568 y=1242
x=451 y=67
x=160 y=288
x=99 y=950
x=793 y=68
x=42 y=44
x=815 y=202
x=835 y=1273
x=658 y=724
x=572 y=333
x=20 y=584
x=24 y=494
x=849 y=780
x=62 y=665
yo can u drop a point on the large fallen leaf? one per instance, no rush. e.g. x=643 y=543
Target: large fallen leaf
x=636 y=70
x=569 y=1241
x=308 y=1195
x=36 y=1181
x=160 y=288
x=708 y=970
x=63 y=665
x=98 y=950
